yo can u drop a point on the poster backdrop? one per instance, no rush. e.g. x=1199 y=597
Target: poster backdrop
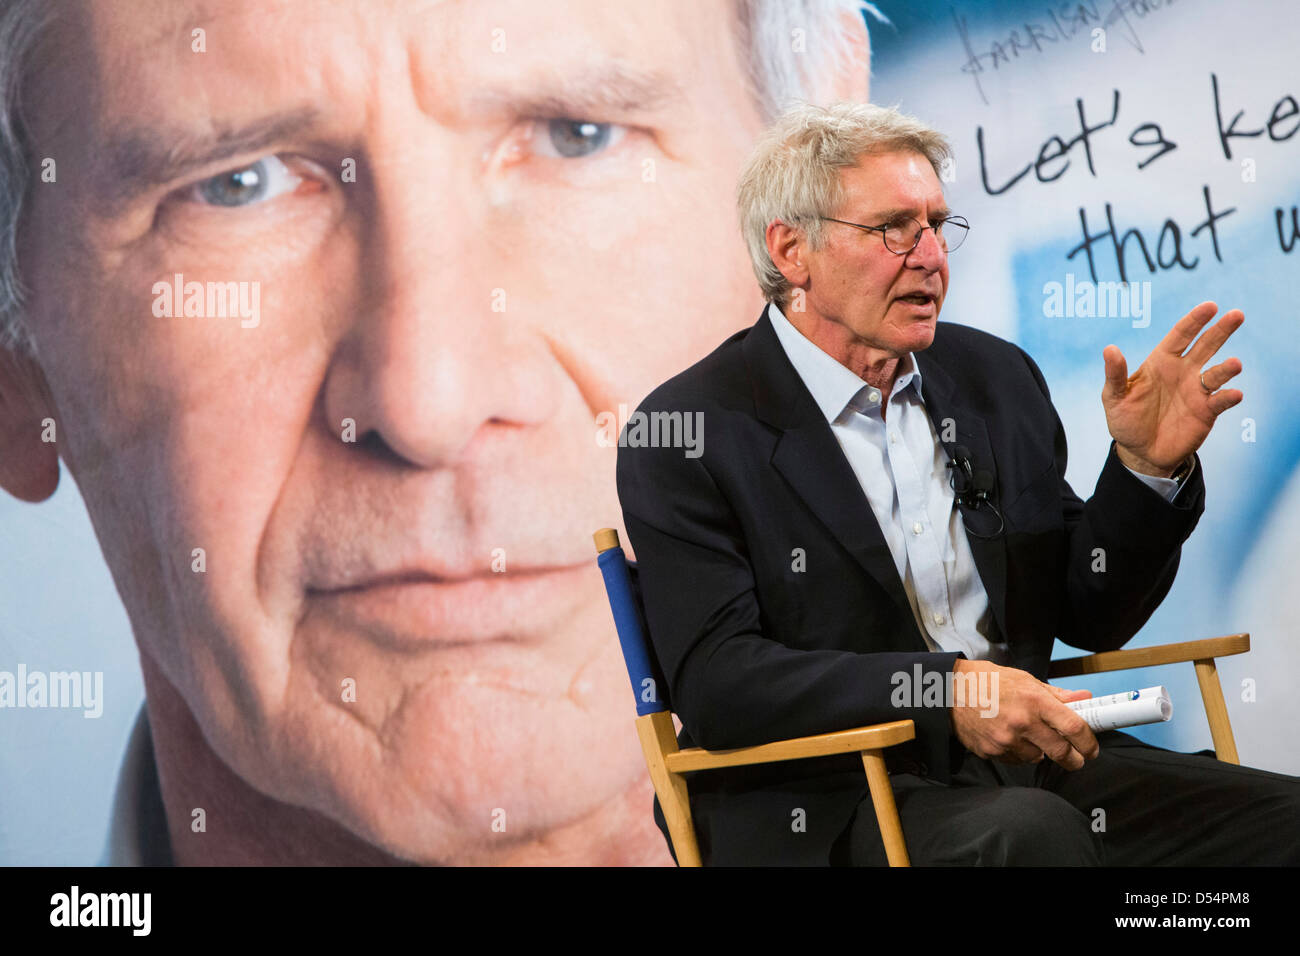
x=1119 y=162
x=1156 y=143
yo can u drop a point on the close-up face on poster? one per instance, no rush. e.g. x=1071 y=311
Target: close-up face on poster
x=332 y=331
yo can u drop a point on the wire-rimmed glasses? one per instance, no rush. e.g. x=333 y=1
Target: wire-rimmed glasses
x=904 y=234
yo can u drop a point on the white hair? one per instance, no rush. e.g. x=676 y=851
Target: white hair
x=21 y=24
x=792 y=50
x=796 y=48
x=793 y=172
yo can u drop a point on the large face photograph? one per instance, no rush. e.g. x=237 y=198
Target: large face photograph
x=328 y=329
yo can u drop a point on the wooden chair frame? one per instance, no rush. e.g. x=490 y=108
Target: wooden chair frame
x=667 y=762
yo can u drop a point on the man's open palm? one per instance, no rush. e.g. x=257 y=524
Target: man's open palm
x=1161 y=414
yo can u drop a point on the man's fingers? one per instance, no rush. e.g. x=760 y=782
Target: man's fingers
x=1220 y=402
x=1055 y=747
x=1022 y=752
x=1186 y=328
x=1065 y=696
x=1209 y=343
x=1216 y=376
x=1073 y=728
x=1116 y=370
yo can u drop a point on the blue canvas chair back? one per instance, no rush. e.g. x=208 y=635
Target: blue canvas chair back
x=629 y=619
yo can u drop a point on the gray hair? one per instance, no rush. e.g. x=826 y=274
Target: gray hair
x=22 y=22
x=778 y=69
x=794 y=48
x=793 y=172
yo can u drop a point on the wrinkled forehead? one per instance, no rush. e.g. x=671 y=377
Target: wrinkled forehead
x=891 y=181
x=463 y=60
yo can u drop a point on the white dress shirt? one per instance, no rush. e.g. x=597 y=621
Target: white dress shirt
x=902 y=469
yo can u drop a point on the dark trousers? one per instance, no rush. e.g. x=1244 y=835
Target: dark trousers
x=1134 y=805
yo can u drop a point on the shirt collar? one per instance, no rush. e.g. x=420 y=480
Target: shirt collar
x=833 y=387
x=138 y=826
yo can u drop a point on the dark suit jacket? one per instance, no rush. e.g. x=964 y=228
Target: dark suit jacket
x=753 y=650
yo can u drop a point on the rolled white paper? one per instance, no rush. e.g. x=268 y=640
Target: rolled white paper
x=1129 y=709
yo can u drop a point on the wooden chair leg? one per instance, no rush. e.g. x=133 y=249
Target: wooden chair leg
x=658 y=739
x=1225 y=747
x=882 y=798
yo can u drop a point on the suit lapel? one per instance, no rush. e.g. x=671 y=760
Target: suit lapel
x=811 y=460
x=947 y=405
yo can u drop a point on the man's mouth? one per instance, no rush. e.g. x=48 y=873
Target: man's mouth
x=415 y=610
x=917 y=298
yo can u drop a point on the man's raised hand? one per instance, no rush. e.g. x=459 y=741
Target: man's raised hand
x=1161 y=413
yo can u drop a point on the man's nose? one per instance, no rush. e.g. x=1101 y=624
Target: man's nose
x=436 y=355
x=930 y=252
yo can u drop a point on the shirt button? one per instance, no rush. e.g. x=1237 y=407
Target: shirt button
x=873 y=396
x=916 y=527
x=938 y=618
x=893 y=438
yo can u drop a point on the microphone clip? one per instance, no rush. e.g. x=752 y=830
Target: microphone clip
x=972 y=487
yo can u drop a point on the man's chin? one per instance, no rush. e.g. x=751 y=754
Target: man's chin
x=428 y=816
x=433 y=788
x=921 y=334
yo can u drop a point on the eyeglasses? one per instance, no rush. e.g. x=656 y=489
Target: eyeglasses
x=903 y=235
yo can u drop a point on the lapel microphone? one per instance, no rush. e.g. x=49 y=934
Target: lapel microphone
x=972 y=487
x=963 y=479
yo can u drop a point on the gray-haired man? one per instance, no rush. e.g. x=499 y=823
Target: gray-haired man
x=881 y=506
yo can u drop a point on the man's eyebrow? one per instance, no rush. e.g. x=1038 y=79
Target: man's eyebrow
x=135 y=159
x=597 y=91
x=889 y=215
x=886 y=215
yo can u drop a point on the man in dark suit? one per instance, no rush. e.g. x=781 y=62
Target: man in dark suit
x=810 y=557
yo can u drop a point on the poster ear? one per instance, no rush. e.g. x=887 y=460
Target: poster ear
x=29 y=456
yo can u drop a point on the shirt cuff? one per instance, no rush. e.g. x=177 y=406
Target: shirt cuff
x=1167 y=488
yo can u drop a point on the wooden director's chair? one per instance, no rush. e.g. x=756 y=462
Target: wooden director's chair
x=667 y=762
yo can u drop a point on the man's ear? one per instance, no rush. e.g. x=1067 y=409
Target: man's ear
x=852 y=81
x=29 y=457
x=786 y=247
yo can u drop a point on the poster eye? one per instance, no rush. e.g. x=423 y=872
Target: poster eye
x=565 y=138
x=257 y=182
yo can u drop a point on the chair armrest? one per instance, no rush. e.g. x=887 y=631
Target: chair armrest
x=1208 y=647
x=838 y=742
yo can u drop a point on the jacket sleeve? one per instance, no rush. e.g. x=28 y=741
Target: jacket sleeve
x=731 y=684
x=1123 y=546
